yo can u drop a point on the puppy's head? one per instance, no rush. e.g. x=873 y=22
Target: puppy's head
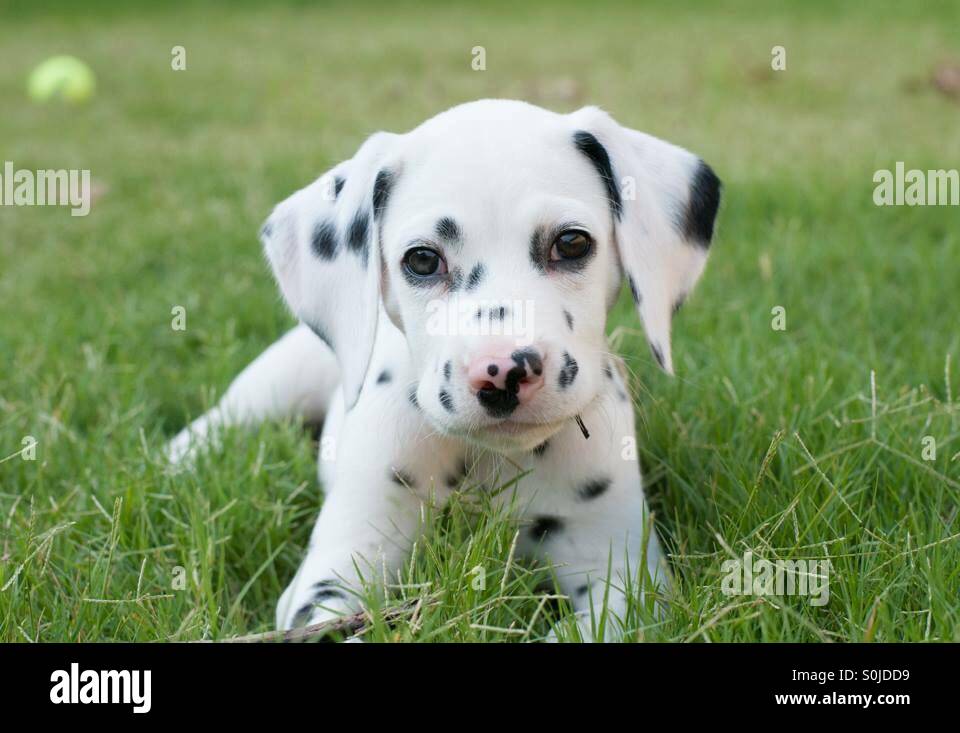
x=496 y=237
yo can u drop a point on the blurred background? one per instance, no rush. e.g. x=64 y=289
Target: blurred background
x=186 y=164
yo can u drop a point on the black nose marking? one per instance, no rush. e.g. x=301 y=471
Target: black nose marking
x=499 y=402
x=528 y=359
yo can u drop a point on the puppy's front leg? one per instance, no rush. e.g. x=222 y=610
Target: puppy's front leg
x=601 y=580
x=364 y=532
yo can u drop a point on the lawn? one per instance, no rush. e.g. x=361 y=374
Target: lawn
x=807 y=442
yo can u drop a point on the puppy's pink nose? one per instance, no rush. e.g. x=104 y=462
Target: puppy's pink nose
x=501 y=383
x=490 y=372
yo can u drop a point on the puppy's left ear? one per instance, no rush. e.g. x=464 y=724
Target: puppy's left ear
x=664 y=202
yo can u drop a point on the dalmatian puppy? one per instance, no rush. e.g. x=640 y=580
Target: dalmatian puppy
x=452 y=285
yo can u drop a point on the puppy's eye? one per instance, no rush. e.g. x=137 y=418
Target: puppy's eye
x=571 y=245
x=424 y=262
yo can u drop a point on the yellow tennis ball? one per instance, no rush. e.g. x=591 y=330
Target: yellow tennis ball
x=62 y=78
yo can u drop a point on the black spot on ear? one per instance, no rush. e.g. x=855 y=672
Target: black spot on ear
x=338 y=185
x=542 y=448
x=412 y=396
x=542 y=526
x=702 y=207
x=591 y=147
x=637 y=297
x=447 y=369
x=476 y=276
x=401 y=478
x=594 y=488
x=446 y=400
x=384 y=377
x=569 y=319
x=658 y=355
x=323 y=241
x=357 y=239
x=447 y=228
x=382 y=187
x=568 y=372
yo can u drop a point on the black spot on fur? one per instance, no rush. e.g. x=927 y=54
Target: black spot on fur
x=447 y=369
x=384 y=377
x=446 y=400
x=412 y=396
x=538 y=245
x=591 y=147
x=266 y=230
x=568 y=372
x=326 y=589
x=357 y=239
x=455 y=479
x=594 y=488
x=401 y=478
x=637 y=298
x=702 y=208
x=542 y=526
x=323 y=241
x=456 y=279
x=338 y=185
x=447 y=228
x=608 y=370
x=382 y=187
x=476 y=276
x=301 y=617
x=493 y=370
x=542 y=448
x=499 y=314
x=568 y=318
x=324 y=592
x=658 y=355
x=582 y=590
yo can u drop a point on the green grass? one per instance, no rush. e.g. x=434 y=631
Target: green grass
x=768 y=440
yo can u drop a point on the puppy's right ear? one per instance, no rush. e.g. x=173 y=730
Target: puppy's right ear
x=323 y=245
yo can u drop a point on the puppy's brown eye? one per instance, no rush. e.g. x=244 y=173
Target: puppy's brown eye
x=423 y=262
x=570 y=245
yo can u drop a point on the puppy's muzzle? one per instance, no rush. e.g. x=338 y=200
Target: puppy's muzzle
x=501 y=383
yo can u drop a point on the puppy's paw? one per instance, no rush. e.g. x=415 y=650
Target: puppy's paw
x=320 y=603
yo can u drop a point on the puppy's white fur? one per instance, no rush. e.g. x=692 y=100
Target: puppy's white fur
x=406 y=422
